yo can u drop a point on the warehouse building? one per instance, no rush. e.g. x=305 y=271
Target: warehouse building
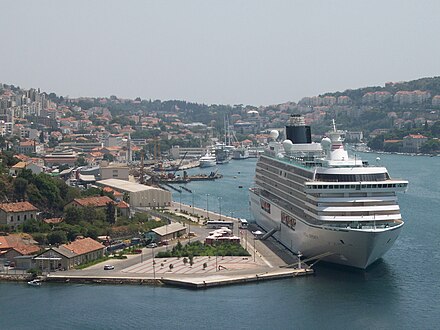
x=139 y=195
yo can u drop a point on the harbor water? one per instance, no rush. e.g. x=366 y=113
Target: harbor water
x=399 y=292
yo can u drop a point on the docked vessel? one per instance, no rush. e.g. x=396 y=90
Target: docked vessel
x=207 y=160
x=314 y=198
x=240 y=153
x=34 y=282
x=223 y=153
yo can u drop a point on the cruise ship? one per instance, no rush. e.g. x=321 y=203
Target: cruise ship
x=317 y=201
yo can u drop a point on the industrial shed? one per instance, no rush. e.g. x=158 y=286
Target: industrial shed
x=139 y=195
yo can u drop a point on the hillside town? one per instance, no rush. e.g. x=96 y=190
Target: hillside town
x=65 y=160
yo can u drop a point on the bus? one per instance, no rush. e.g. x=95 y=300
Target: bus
x=243 y=223
x=219 y=224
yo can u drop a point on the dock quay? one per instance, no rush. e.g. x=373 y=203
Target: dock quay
x=196 y=282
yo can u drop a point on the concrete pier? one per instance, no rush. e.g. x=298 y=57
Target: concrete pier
x=192 y=282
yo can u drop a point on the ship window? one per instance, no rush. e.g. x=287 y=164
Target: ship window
x=368 y=185
x=374 y=185
x=351 y=177
x=352 y=186
x=330 y=187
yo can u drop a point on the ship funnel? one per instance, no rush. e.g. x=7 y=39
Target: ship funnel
x=297 y=131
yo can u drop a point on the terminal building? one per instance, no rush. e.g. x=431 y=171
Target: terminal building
x=139 y=195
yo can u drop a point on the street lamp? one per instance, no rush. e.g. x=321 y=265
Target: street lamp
x=255 y=251
x=154 y=267
x=189 y=231
x=180 y=200
x=192 y=194
x=166 y=234
x=207 y=206
x=220 y=207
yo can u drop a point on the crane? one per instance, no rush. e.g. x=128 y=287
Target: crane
x=180 y=163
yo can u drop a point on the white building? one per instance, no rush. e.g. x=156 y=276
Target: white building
x=139 y=195
x=113 y=171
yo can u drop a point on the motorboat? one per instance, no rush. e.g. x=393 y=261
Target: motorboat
x=34 y=283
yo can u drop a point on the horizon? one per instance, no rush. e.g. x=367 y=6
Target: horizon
x=245 y=52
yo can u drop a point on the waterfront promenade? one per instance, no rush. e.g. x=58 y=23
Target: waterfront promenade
x=263 y=263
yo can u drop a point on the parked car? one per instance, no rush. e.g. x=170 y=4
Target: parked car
x=152 y=245
x=109 y=267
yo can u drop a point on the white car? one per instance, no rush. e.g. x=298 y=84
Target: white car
x=109 y=267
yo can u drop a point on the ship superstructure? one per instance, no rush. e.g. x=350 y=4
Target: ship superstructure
x=315 y=199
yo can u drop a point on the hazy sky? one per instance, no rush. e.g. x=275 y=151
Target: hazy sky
x=229 y=52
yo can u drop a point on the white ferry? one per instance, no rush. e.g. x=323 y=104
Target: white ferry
x=316 y=200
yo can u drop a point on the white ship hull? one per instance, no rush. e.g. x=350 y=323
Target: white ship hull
x=207 y=163
x=240 y=153
x=349 y=247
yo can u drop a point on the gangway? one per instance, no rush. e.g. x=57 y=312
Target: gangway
x=269 y=233
x=317 y=258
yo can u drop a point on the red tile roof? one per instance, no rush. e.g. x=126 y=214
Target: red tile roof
x=22 y=243
x=27 y=249
x=18 y=207
x=416 y=136
x=84 y=245
x=53 y=220
x=123 y=205
x=98 y=201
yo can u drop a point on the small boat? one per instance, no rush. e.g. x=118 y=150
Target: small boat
x=34 y=283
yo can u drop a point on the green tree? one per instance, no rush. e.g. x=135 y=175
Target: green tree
x=431 y=146
x=110 y=213
x=81 y=161
x=40 y=238
x=31 y=226
x=57 y=237
x=41 y=138
x=377 y=143
x=20 y=187
x=108 y=157
x=73 y=215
